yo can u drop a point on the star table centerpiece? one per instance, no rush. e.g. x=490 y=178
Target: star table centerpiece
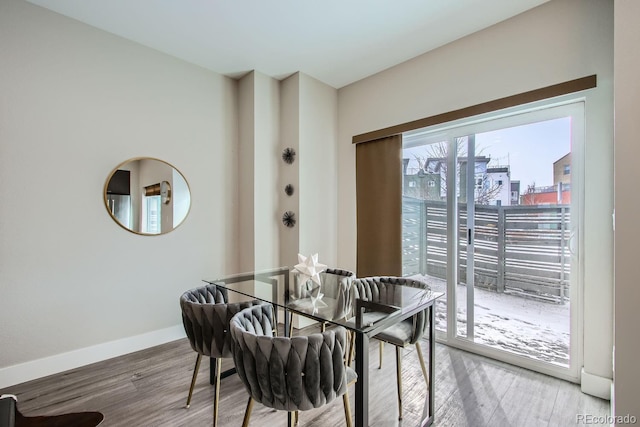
x=309 y=269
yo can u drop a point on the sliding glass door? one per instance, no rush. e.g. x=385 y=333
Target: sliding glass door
x=491 y=216
x=425 y=220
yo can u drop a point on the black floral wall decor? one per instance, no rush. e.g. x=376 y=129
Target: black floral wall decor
x=288 y=189
x=289 y=155
x=289 y=219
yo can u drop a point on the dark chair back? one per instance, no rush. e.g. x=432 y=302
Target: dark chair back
x=291 y=374
x=383 y=290
x=206 y=315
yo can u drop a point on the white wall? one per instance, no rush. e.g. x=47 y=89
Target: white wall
x=627 y=204
x=74 y=103
x=318 y=171
x=558 y=41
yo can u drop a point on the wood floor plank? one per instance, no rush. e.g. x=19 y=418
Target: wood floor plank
x=529 y=401
x=582 y=404
x=480 y=388
x=149 y=389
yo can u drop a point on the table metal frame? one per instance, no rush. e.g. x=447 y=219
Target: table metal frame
x=361 y=341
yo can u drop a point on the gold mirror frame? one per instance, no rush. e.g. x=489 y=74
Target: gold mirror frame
x=147 y=196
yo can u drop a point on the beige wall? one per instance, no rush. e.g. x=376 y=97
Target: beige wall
x=74 y=103
x=309 y=126
x=558 y=41
x=627 y=208
x=257 y=171
x=77 y=102
x=246 y=162
x=289 y=173
x=267 y=164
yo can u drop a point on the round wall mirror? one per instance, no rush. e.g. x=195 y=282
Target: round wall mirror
x=147 y=196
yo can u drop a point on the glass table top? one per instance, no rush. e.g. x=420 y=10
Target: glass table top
x=331 y=301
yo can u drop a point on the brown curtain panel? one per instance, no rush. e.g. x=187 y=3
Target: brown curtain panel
x=379 y=207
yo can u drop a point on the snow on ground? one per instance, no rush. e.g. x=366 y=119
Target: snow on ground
x=520 y=325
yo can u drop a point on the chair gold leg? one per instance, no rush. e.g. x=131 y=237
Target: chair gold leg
x=352 y=348
x=247 y=413
x=399 y=375
x=422 y=365
x=381 y=351
x=347 y=408
x=216 y=397
x=291 y=326
x=292 y=419
x=193 y=379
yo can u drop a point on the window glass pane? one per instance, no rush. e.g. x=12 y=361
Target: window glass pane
x=424 y=219
x=152 y=215
x=512 y=264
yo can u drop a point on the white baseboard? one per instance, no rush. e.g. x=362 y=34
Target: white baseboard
x=300 y=322
x=596 y=385
x=39 y=368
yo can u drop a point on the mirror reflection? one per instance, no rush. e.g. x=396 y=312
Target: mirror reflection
x=147 y=196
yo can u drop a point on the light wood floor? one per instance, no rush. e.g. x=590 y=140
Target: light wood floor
x=149 y=388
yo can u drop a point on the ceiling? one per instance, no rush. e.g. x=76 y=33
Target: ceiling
x=336 y=41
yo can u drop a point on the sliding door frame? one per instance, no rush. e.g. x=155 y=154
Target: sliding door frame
x=556 y=92
x=573 y=106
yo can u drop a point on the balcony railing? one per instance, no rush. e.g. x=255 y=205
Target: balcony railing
x=520 y=250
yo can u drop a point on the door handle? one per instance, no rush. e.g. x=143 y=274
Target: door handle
x=571 y=243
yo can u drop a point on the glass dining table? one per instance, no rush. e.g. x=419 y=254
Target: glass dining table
x=288 y=295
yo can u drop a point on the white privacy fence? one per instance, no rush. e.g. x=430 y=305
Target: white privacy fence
x=523 y=250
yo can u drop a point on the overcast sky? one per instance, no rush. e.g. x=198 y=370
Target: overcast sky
x=529 y=150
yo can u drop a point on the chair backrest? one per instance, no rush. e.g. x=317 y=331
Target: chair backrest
x=332 y=279
x=206 y=315
x=336 y=282
x=336 y=285
x=383 y=289
x=291 y=374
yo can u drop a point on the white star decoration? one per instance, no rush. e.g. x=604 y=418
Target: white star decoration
x=316 y=301
x=309 y=268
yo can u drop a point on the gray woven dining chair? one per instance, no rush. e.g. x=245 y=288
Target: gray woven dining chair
x=408 y=332
x=336 y=287
x=206 y=314
x=289 y=373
